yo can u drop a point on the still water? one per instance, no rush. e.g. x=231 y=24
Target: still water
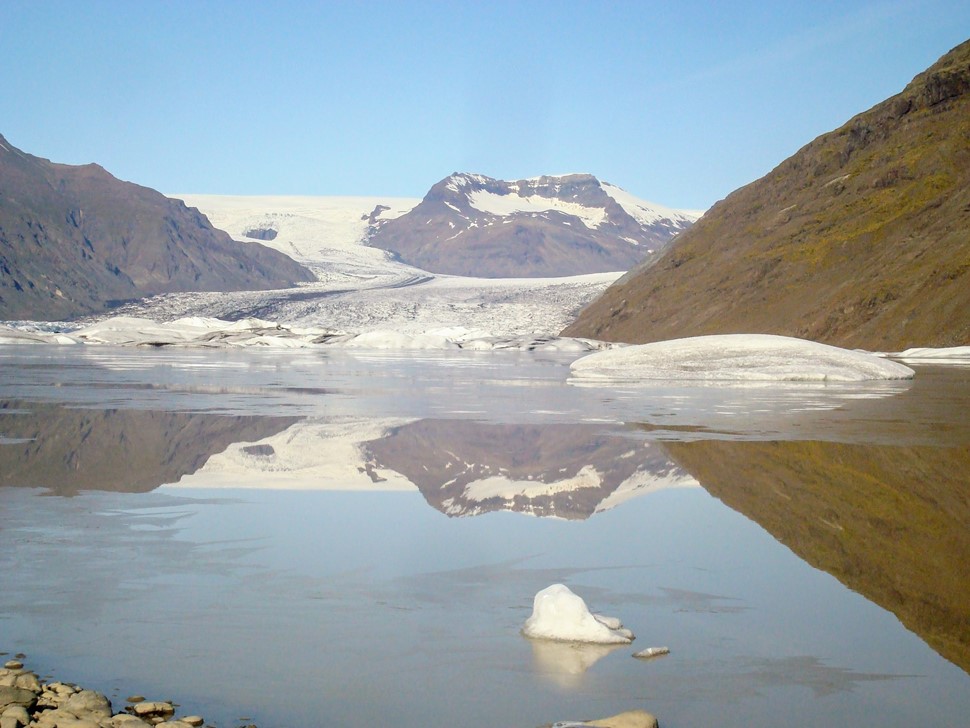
x=340 y=539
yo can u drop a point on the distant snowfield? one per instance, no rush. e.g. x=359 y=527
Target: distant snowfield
x=324 y=233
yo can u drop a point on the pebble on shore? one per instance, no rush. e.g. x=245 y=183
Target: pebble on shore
x=27 y=702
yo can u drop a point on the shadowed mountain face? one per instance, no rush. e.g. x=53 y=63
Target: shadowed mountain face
x=892 y=523
x=69 y=450
x=568 y=471
x=860 y=239
x=473 y=225
x=74 y=240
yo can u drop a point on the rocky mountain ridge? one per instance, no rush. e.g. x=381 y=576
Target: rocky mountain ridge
x=473 y=225
x=860 y=239
x=74 y=240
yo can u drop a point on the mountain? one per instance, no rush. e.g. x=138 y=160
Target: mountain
x=74 y=240
x=860 y=239
x=473 y=225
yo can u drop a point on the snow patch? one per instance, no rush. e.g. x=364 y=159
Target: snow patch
x=502 y=205
x=644 y=483
x=649 y=213
x=315 y=231
x=459 y=181
x=508 y=489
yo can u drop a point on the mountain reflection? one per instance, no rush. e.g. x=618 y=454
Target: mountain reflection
x=68 y=450
x=466 y=468
x=892 y=523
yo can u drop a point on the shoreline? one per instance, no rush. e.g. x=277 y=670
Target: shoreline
x=27 y=700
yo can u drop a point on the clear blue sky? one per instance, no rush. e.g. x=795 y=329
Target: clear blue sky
x=677 y=102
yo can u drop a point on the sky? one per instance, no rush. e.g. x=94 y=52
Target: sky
x=677 y=103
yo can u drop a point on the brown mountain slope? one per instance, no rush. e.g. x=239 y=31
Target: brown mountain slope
x=73 y=239
x=860 y=239
x=472 y=225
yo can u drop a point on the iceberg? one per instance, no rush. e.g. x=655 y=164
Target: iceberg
x=738 y=358
x=959 y=355
x=559 y=614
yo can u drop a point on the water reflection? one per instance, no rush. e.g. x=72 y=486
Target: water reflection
x=466 y=468
x=68 y=450
x=387 y=605
x=892 y=523
x=564 y=663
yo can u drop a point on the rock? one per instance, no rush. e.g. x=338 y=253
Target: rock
x=154 y=708
x=652 y=652
x=629 y=719
x=88 y=704
x=136 y=698
x=193 y=720
x=69 y=721
x=174 y=724
x=123 y=720
x=16 y=696
x=13 y=664
x=28 y=681
x=14 y=716
x=60 y=718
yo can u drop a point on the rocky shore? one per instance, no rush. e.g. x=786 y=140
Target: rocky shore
x=26 y=701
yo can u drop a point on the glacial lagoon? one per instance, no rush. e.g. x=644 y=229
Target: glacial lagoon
x=351 y=538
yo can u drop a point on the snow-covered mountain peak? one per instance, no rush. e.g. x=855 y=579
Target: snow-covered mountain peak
x=472 y=224
x=459 y=181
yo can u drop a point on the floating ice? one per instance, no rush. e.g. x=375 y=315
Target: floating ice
x=959 y=355
x=737 y=357
x=14 y=335
x=207 y=332
x=559 y=614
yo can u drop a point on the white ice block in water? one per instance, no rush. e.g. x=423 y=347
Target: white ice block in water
x=739 y=358
x=559 y=614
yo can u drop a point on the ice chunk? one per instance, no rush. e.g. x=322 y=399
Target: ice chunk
x=559 y=614
x=737 y=357
x=384 y=339
x=652 y=652
x=951 y=355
